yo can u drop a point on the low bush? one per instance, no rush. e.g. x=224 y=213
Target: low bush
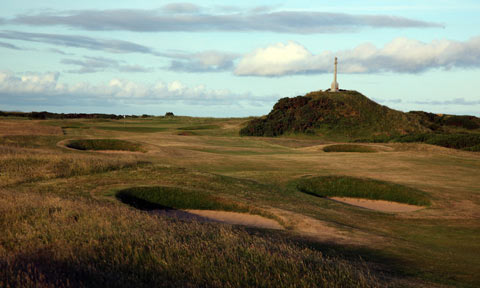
x=343 y=186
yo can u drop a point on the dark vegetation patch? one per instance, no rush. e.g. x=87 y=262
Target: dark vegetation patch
x=104 y=144
x=137 y=129
x=343 y=186
x=349 y=148
x=464 y=141
x=186 y=133
x=438 y=122
x=160 y=197
x=199 y=127
x=48 y=115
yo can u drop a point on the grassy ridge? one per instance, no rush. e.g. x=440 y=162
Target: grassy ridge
x=104 y=144
x=174 y=198
x=343 y=186
x=348 y=148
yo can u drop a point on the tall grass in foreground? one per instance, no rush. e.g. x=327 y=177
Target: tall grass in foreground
x=343 y=186
x=48 y=241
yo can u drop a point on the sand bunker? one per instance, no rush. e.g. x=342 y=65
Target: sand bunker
x=234 y=218
x=378 y=205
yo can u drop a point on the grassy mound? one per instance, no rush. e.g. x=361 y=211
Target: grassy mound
x=104 y=144
x=159 y=197
x=343 y=186
x=345 y=114
x=348 y=148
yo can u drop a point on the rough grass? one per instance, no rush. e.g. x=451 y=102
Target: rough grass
x=49 y=241
x=348 y=148
x=159 y=197
x=104 y=144
x=18 y=165
x=343 y=186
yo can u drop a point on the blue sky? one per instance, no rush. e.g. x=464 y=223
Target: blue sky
x=220 y=59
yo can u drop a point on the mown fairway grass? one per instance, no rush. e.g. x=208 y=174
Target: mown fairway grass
x=104 y=144
x=348 y=148
x=343 y=186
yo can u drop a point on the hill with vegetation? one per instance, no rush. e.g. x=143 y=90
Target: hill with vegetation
x=346 y=113
x=351 y=116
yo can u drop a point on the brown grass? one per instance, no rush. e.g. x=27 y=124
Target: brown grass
x=26 y=127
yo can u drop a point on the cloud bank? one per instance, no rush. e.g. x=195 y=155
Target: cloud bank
x=402 y=55
x=45 y=88
x=189 y=17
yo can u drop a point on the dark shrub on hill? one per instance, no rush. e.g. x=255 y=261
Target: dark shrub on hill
x=467 y=122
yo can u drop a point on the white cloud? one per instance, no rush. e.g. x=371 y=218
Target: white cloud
x=45 y=87
x=402 y=55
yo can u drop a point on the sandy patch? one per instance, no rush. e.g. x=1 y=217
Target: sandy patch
x=378 y=205
x=233 y=218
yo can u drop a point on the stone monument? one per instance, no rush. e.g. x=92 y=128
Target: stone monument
x=334 y=87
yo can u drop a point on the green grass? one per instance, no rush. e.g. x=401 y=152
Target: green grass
x=104 y=144
x=348 y=148
x=136 y=129
x=343 y=186
x=159 y=197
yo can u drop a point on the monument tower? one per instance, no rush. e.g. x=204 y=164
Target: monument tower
x=334 y=87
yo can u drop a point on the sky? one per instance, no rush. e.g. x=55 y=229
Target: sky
x=232 y=59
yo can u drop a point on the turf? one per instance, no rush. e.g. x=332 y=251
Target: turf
x=343 y=186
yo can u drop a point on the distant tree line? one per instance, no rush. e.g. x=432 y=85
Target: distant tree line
x=48 y=115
